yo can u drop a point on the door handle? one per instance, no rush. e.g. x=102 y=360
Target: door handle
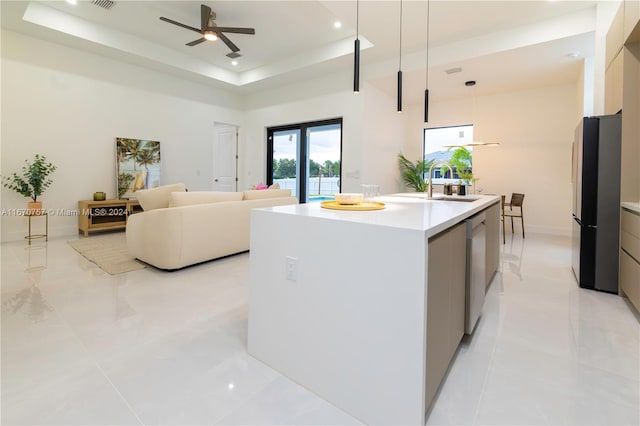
x=215 y=180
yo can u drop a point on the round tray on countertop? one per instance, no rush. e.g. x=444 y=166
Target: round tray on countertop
x=363 y=206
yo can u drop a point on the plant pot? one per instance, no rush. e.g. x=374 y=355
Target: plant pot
x=34 y=208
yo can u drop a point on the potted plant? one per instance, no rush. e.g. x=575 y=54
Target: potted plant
x=32 y=182
x=413 y=174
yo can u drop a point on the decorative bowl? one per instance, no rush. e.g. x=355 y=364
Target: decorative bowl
x=99 y=196
x=349 y=198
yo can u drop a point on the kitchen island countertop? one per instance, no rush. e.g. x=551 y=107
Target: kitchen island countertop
x=338 y=299
x=405 y=210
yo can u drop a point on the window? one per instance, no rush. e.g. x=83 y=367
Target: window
x=453 y=145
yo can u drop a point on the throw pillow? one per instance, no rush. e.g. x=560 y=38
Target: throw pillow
x=157 y=198
x=266 y=193
x=179 y=199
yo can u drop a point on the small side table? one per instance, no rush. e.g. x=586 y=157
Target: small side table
x=46 y=232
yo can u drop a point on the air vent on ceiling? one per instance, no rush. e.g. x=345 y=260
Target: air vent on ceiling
x=233 y=55
x=105 y=4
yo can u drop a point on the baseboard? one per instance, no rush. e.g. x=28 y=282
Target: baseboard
x=64 y=231
x=564 y=232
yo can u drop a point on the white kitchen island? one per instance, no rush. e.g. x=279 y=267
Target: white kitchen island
x=338 y=300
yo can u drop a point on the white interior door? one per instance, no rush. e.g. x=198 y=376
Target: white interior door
x=225 y=158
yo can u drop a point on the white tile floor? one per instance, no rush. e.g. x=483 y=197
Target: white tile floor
x=148 y=347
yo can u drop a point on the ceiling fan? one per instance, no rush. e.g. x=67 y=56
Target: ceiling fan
x=210 y=31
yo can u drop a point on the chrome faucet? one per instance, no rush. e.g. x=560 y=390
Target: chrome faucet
x=437 y=163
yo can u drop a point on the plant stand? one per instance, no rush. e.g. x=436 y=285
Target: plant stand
x=31 y=236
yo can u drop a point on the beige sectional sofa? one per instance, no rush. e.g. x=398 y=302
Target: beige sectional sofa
x=178 y=228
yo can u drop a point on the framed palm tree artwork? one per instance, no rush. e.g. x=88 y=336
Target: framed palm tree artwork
x=137 y=166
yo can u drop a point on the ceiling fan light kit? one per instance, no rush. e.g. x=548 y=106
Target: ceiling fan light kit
x=210 y=35
x=210 y=31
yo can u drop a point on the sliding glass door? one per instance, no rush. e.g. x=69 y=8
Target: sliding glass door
x=284 y=154
x=306 y=158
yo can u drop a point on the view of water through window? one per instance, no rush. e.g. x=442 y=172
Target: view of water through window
x=306 y=158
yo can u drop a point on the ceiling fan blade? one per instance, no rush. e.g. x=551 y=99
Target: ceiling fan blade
x=235 y=30
x=205 y=12
x=228 y=42
x=198 y=41
x=171 y=21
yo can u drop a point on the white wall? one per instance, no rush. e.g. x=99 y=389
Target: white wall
x=70 y=105
x=372 y=131
x=383 y=138
x=535 y=130
x=584 y=90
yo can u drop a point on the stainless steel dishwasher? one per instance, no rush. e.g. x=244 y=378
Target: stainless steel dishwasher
x=476 y=264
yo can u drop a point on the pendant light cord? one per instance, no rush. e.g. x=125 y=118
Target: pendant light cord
x=426 y=90
x=356 y=52
x=400 y=50
x=428 y=29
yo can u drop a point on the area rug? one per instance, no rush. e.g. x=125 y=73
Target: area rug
x=108 y=251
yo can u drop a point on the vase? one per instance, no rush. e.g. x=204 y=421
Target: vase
x=34 y=208
x=99 y=196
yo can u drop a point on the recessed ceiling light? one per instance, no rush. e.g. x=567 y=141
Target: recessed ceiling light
x=234 y=63
x=337 y=24
x=73 y=2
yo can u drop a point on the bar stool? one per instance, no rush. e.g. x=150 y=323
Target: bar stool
x=516 y=201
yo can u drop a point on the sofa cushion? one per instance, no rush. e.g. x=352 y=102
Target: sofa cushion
x=179 y=199
x=266 y=193
x=157 y=198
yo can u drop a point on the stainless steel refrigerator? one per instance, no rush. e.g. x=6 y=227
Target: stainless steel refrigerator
x=596 y=202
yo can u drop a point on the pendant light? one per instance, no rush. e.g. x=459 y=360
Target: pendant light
x=400 y=65
x=356 y=53
x=472 y=83
x=426 y=90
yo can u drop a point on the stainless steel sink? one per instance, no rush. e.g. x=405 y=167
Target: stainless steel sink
x=463 y=198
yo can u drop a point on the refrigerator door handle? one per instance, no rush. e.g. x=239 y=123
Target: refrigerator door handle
x=579 y=222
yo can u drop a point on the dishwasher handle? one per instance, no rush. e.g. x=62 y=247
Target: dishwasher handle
x=475 y=221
